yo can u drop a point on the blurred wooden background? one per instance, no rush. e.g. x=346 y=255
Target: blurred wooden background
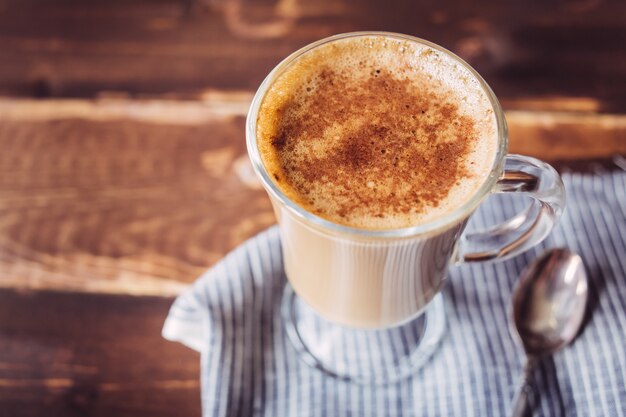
x=123 y=172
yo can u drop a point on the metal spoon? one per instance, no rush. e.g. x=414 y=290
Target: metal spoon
x=548 y=308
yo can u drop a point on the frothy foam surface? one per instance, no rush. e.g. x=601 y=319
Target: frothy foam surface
x=376 y=132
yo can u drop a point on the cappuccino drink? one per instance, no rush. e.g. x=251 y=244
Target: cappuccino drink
x=374 y=133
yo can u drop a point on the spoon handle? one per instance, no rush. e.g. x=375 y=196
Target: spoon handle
x=525 y=397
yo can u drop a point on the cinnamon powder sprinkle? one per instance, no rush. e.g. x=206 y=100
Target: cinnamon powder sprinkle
x=371 y=147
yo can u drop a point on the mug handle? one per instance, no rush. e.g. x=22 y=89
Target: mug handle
x=531 y=177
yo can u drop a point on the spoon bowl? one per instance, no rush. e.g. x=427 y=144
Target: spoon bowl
x=549 y=302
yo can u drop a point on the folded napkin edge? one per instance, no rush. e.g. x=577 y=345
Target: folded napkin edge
x=189 y=334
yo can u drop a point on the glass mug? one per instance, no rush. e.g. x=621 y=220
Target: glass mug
x=364 y=305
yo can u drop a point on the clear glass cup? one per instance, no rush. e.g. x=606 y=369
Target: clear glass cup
x=364 y=305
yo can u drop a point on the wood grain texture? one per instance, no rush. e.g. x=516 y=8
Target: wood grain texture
x=528 y=49
x=566 y=136
x=98 y=355
x=140 y=197
x=122 y=205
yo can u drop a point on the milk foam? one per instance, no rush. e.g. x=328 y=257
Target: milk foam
x=377 y=132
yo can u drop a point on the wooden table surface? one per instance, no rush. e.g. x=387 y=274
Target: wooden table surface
x=123 y=172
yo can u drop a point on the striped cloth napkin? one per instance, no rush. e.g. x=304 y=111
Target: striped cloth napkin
x=248 y=367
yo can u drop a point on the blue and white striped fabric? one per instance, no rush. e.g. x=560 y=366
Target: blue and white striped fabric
x=249 y=368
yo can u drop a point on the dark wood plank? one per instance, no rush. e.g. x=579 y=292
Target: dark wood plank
x=63 y=48
x=122 y=205
x=139 y=197
x=566 y=136
x=98 y=355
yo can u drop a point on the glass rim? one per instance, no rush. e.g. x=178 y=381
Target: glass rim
x=440 y=223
